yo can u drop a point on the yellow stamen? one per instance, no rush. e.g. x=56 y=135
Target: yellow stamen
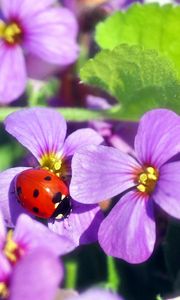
x=54 y=163
x=3 y=291
x=147 y=180
x=11 y=33
x=11 y=249
x=57 y=165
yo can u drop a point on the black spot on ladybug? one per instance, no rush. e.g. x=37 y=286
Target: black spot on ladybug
x=35 y=209
x=48 y=178
x=19 y=190
x=35 y=193
x=57 y=197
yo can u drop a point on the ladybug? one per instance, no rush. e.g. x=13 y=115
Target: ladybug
x=43 y=194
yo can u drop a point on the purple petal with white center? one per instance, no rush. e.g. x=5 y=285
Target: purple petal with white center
x=81 y=226
x=167 y=191
x=31 y=234
x=36 y=276
x=51 y=35
x=80 y=138
x=100 y=172
x=128 y=232
x=2 y=231
x=157 y=139
x=5 y=268
x=9 y=206
x=40 y=130
x=93 y=294
x=23 y=8
x=12 y=73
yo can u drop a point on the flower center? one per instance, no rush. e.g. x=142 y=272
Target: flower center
x=11 y=249
x=53 y=163
x=147 y=180
x=3 y=291
x=11 y=33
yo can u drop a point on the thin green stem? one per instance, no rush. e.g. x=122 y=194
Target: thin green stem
x=71 y=274
x=73 y=114
x=113 y=281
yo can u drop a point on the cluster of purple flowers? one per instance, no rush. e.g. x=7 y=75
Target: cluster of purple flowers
x=148 y=177
x=37 y=38
x=95 y=172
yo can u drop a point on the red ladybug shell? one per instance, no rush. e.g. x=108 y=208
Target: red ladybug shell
x=40 y=191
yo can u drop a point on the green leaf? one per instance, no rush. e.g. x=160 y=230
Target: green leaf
x=151 y=26
x=140 y=79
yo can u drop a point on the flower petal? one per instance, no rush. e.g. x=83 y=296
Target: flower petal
x=157 y=139
x=128 y=232
x=167 y=191
x=12 y=73
x=100 y=172
x=81 y=226
x=41 y=130
x=9 y=206
x=51 y=35
x=2 y=231
x=93 y=294
x=39 y=69
x=5 y=268
x=80 y=138
x=36 y=276
x=31 y=234
x=23 y=8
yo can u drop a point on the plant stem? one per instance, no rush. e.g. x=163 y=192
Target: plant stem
x=71 y=274
x=113 y=281
x=72 y=114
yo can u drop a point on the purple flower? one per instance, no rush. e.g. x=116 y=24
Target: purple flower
x=43 y=132
x=36 y=276
x=30 y=28
x=28 y=236
x=93 y=294
x=29 y=264
x=128 y=232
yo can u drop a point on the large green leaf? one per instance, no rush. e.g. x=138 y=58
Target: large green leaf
x=140 y=79
x=150 y=26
